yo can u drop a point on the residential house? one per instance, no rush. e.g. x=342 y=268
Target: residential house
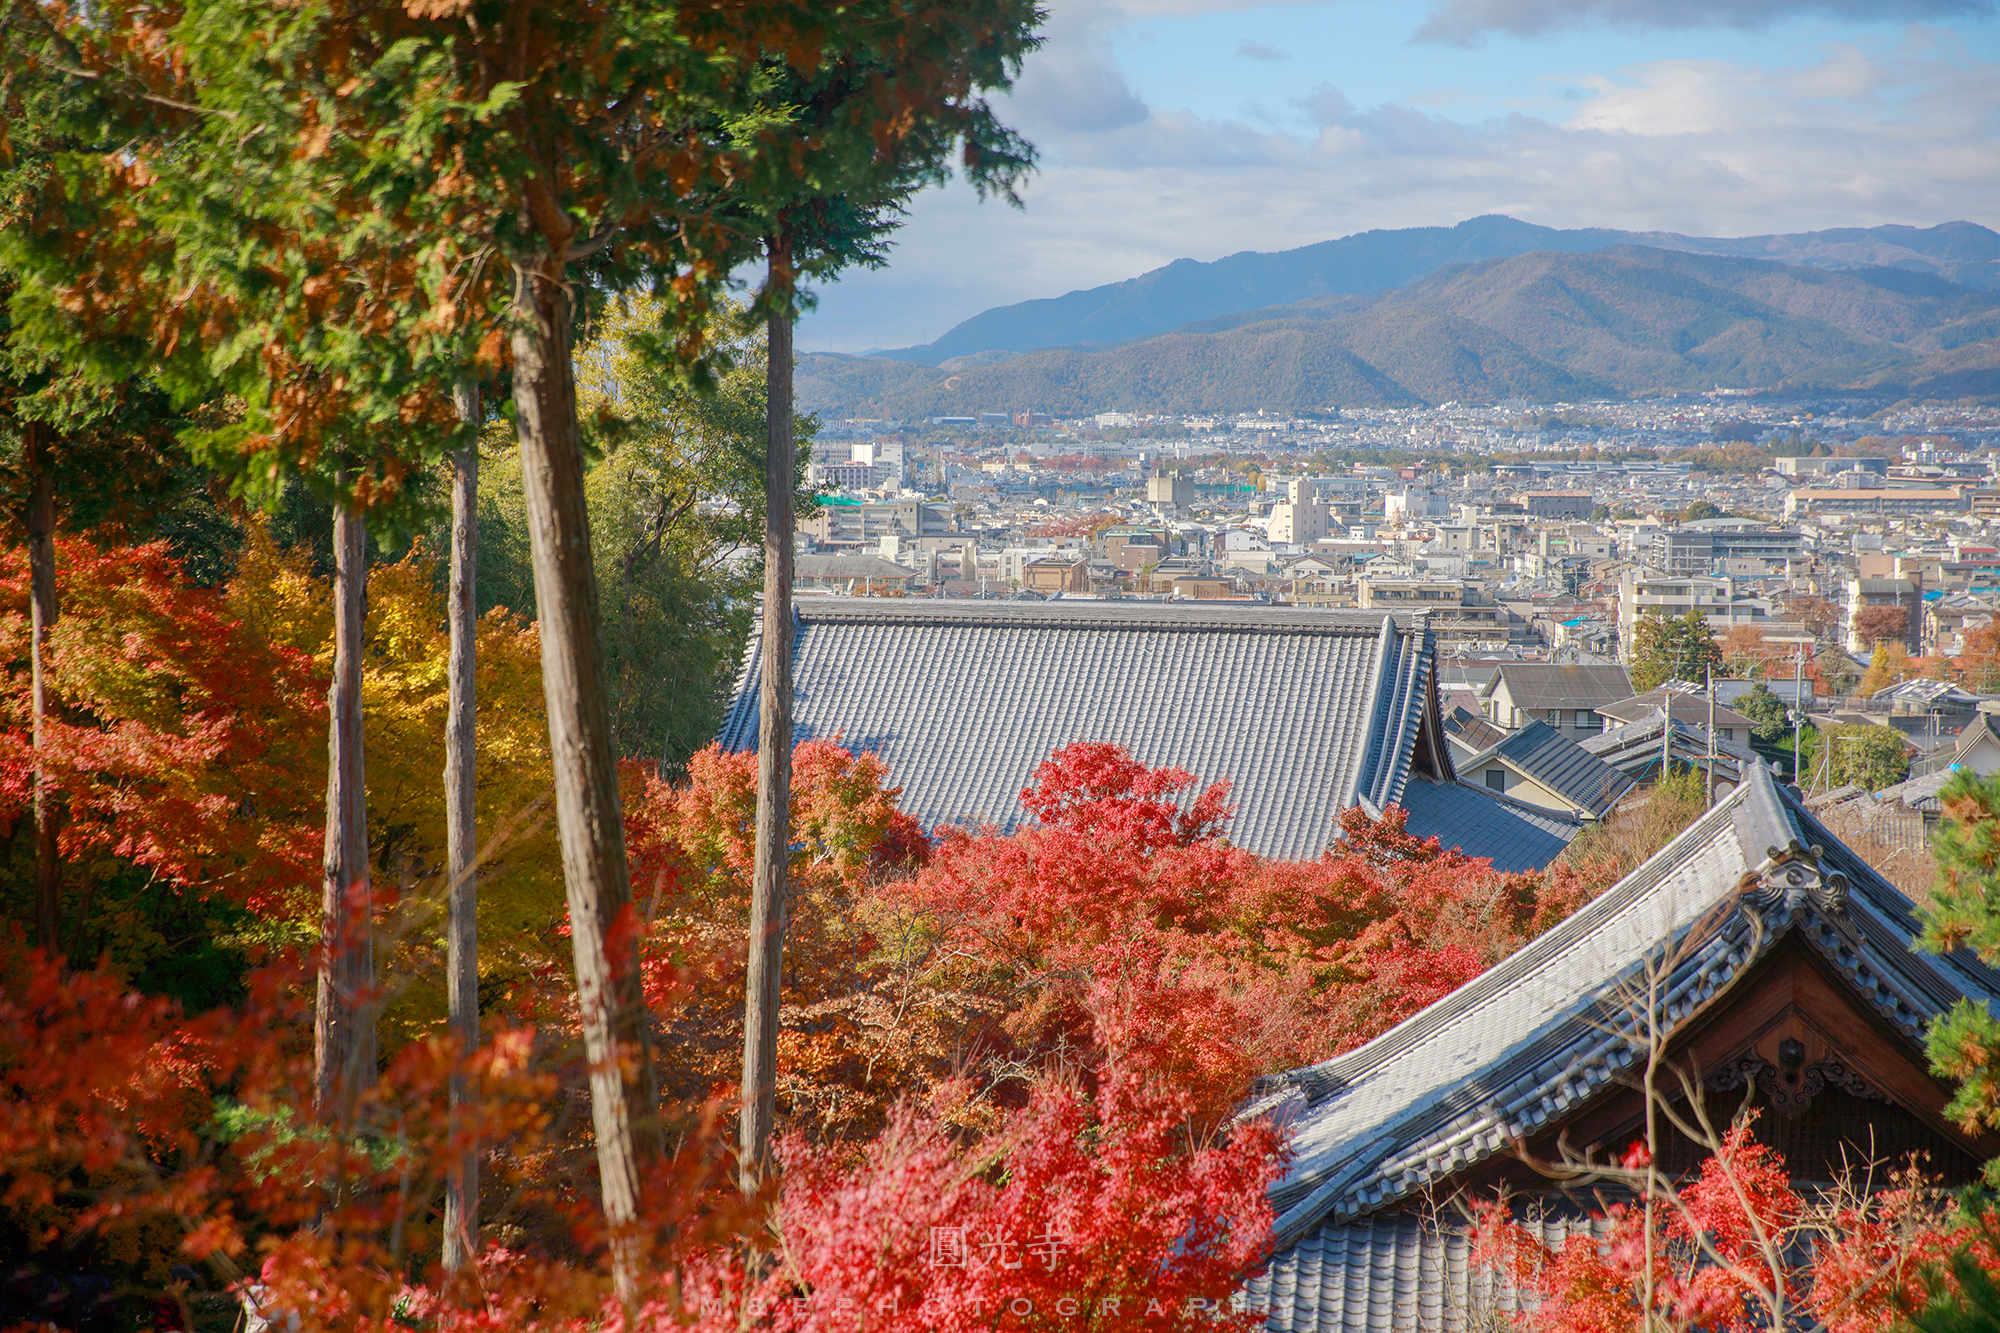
x=1976 y=747
x=850 y=573
x=1469 y=732
x=1558 y=504
x=1302 y=517
x=1057 y=573
x=1541 y=766
x=1690 y=706
x=1715 y=598
x=1459 y=611
x=1565 y=697
x=1905 y=594
x=1947 y=618
x=1911 y=502
x=1637 y=749
x=864 y=525
x=1800 y=988
x=1133 y=548
x=1700 y=547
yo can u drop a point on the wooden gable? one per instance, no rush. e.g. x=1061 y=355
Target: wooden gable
x=1834 y=1089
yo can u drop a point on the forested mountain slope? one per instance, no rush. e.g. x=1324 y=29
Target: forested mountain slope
x=1545 y=325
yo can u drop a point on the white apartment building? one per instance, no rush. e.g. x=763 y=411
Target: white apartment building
x=1913 y=502
x=1302 y=517
x=1715 y=598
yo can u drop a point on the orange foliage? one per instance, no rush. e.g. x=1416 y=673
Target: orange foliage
x=183 y=741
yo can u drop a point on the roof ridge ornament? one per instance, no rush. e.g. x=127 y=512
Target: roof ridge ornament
x=1792 y=878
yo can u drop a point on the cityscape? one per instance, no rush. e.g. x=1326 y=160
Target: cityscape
x=929 y=666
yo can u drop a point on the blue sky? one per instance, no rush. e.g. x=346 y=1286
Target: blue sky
x=1199 y=128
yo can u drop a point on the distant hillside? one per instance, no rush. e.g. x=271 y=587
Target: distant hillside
x=1542 y=326
x=1377 y=261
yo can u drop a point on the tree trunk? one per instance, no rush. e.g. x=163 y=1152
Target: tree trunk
x=774 y=755
x=42 y=619
x=344 y=1027
x=624 y=1097
x=461 y=1199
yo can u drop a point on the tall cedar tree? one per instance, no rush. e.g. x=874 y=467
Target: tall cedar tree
x=835 y=180
x=199 y=299
x=461 y=1200
x=75 y=451
x=341 y=211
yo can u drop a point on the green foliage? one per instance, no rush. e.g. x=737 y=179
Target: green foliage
x=336 y=201
x=1666 y=649
x=1701 y=509
x=1869 y=757
x=1767 y=711
x=675 y=488
x=191 y=944
x=107 y=443
x=1963 y=912
x=1685 y=786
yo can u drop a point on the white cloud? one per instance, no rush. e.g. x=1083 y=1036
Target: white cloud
x=1467 y=22
x=1856 y=137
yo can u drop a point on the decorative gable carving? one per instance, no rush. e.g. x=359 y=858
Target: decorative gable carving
x=1792 y=880
x=1789 y=1092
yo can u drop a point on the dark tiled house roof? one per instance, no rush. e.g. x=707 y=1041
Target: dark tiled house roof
x=1545 y=1031
x=1634 y=749
x=1687 y=707
x=1544 y=685
x=1563 y=766
x=1473 y=728
x=1306 y=713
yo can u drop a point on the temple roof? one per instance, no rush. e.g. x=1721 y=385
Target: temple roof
x=1540 y=1032
x=1305 y=713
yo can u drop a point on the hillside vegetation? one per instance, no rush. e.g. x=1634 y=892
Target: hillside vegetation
x=1545 y=326
x=1377 y=261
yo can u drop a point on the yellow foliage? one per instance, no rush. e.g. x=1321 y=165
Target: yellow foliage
x=405 y=696
x=1888 y=666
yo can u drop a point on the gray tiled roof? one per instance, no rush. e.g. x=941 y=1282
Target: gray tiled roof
x=1516 y=835
x=820 y=567
x=1394 y=1271
x=1984 y=726
x=1634 y=749
x=1919 y=793
x=1472 y=728
x=1688 y=707
x=1540 y=1033
x=1307 y=713
x=1551 y=685
x=1564 y=767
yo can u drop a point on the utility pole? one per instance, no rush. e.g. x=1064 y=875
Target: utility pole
x=1798 y=710
x=1709 y=677
x=1666 y=733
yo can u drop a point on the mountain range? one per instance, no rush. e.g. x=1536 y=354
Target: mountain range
x=1545 y=325
x=1377 y=261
